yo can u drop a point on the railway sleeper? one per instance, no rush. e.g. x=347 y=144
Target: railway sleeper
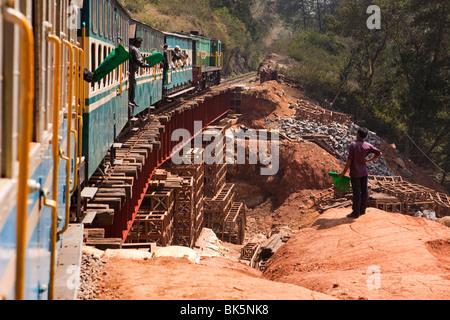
x=114 y=203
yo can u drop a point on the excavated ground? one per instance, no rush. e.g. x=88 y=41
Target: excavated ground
x=378 y=256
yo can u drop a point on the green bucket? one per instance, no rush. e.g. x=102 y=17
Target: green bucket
x=342 y=184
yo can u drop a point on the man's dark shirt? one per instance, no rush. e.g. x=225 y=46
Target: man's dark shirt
x=166 y=60
x=136 y=61
x=359 y=150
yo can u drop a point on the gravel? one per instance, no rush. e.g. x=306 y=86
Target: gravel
x=91 y=270
x=340 y=137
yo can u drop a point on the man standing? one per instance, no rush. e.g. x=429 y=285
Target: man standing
x=136 y=61
x=358 y=151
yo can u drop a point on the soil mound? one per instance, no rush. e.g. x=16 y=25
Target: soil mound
x=269 y=99
x=168 y=278
x=304 y=166
x=380 y=255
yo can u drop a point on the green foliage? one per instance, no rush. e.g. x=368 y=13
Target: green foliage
x=321 y=58
x=403 y=73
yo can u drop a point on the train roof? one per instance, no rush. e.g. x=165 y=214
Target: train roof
x=145 y=24
x=177 y=35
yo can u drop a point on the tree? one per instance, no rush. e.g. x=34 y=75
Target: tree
x=403 y=71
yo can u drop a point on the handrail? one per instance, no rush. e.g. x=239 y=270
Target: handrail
x=55 y=143
x=120 y=73
x=54 y=206
x=201 y=64
x=81 y=108
x=69 y=135
x=82 y=89
x=77 y=96
x=25 y=136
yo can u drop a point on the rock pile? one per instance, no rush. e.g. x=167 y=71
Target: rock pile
x=339 y=136
x=91 y=269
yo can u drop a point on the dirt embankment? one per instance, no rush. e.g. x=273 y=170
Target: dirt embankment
x=168 y=278
x=378 y=256
x=269 y=99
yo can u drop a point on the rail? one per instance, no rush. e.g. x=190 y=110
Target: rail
x=25 y=136
x=69 y=133
x=119 y=92
x=78 y=88
x=56 y=155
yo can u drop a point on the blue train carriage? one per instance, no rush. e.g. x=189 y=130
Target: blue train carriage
x=180 y=70
x=208 y=60
x=148 y=80
x=39 y=103
x=107 y=25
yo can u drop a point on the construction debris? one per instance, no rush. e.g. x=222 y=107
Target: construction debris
x=391 y=194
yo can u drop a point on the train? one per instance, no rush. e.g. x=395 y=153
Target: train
x=56 y=127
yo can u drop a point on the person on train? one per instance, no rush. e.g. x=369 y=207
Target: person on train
x=165 y=66
x=136 y=61
x=177 y=56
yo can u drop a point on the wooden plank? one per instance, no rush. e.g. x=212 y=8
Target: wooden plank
x=104 y=217
x=114 y=203
x=95 y=233
x=89 y=192
x=88 y=217
x=91 y=205
x=103 y=244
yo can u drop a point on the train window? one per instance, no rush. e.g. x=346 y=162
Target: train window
x=150 y=35
x=109 y=74
x=128 y=33
x=113 y=29
x=104 y=57
x=100 y=17
x=99 y=59
x=109 y=20
x=124 y=29
x=122 y=33
x=119 y=26
x=93 y=62
x=94 y=16
x=106 y=19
